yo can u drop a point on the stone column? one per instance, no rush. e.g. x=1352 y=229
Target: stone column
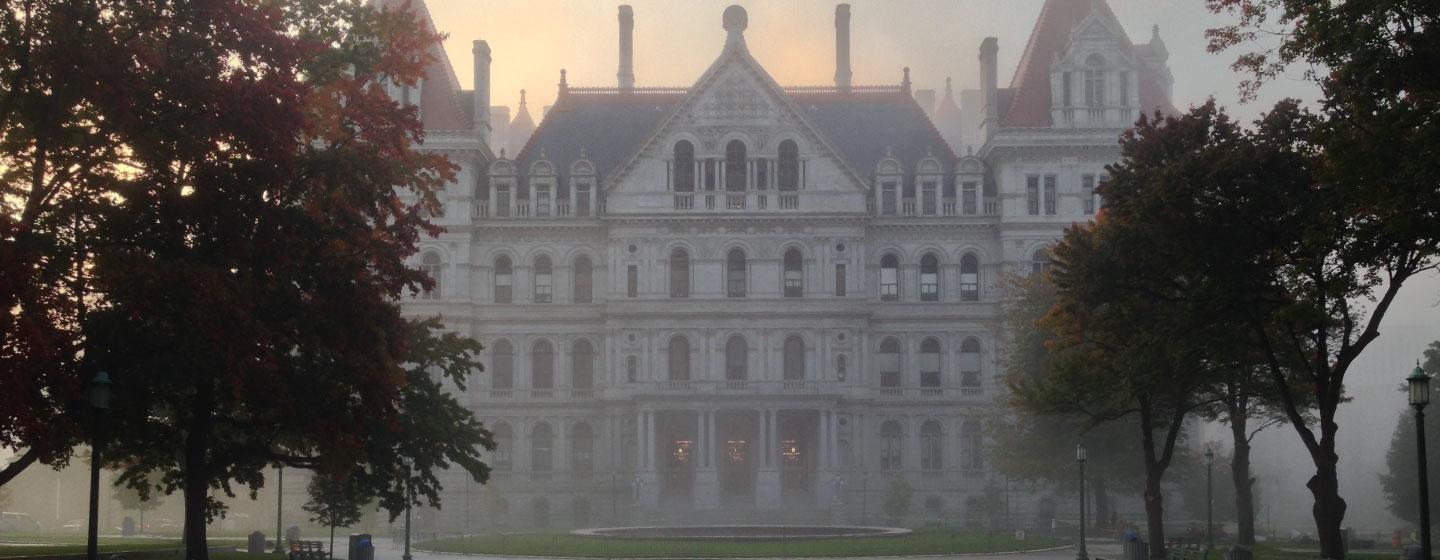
x=649 y=492
x=707 y=480
x=767 y=477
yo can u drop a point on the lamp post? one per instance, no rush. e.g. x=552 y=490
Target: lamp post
x=1080 y=458
x=279 y=501
x=99 y=403
x=1419 y=397
x=1209 y=500
x=409 y=497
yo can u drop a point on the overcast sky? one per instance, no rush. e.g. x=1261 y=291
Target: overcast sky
x=675 y=41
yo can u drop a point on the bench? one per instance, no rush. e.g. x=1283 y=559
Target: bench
x=307 y=550
x=1186 y=552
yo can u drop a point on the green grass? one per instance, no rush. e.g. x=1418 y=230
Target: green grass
x=26 y=544
x=564 y=544
x=1286 y=551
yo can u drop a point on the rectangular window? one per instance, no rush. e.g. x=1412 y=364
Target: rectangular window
x=1125 y=88
x=710 y=171
x=582 y=201
x=928 y=202
x=1094 y=88
x=762 y=174
x=889 y=284
x=969 y=199
x=544 y=291
x=1051 y=199
x=1032 y=195
x=1065 y=89
x=969 y=285
x=887 y=199
x=502 y=201
x=542 y=201
x=1087 y=194
x=929 y=286
x=840 y=280
x=632 y=281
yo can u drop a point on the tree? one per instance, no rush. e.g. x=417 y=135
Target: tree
x=1026 y=444
x=898 y=496
x=247 y=278
x=1373 y=200
x=1400 y=480
x=335 y=502
x=139 y=497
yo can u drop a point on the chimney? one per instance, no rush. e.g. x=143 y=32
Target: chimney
x=626 y=75
x=842 y=47
x=481 y=118
x=989 y=86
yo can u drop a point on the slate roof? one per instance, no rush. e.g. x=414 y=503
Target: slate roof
x=611 y=127
x=1030 y=104
x=441 y=105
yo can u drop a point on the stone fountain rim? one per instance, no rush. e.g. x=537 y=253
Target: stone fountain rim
x=861 y=531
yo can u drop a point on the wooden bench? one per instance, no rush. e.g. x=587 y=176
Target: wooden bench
x=1186 y=552
x=307 y=550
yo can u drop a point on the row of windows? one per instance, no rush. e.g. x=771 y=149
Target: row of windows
x=738 y=171
x=1094 y=83
x=932 y=449
x=1041 y=194
x=929 y=363
x=542 y=447
x=582 y=290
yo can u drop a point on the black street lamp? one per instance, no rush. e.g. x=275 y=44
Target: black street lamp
x=409 y=497
x=99 y=402
x=1080 y=458
x=279 y=503
x=1209 y=500
x=1419 y=397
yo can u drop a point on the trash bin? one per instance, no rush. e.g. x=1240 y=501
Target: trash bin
x=127 y=527
x=256 y=543
x=361 y=547
x=1136 y=550
x=1239 y=552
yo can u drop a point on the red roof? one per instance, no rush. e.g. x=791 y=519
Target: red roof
x=1030 y=101
x=439 y=93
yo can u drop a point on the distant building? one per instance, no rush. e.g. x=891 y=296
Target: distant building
x=736 y=300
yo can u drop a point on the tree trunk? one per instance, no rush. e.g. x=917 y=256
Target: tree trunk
x=196 y=471
x=1329 y=508
x=1102 y=502
x=1154 y=470
x=332 y=541
x=1240 y=473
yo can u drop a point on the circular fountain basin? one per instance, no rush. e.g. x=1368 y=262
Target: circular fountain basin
x=739 y=532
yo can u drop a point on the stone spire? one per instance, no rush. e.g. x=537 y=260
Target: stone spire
x=521 y=128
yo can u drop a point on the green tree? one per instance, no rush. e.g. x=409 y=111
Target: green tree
x=137 y=498
x=335 y=502
x=1371 y=209
x=898 y=496
x=1025 y=444
x=247 y=278
x=1400 y=480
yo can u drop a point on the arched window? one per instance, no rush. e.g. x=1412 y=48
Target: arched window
x=889 y=278
x=679 y=358
x=684 y=166
x=582 y=448
x=504 y=448
x=970 y=363
x=889 y=363
x=582 y=366
x=1095 y=81
x=584 y=280
x=892 y=440
x=794 y=358
x=542 y=366
x=1040 y=260
x=794 y=274
x=679 y=274
x=737 y=354
x=971 y=456
x=931 y=448
x=735 y=273
x=542 y=448
x=929 y=278
x=430 y=265
x=544 y=280
x=632 y=368
x=788 y=171
x=735 y=166
x=504 y=280
x=969 y=278
x=840 y=372
x=930 y=364
x=502 y=371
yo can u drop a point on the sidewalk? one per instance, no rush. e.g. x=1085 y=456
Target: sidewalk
x=386 y=549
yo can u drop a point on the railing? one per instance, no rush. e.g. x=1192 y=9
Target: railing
x=562 y=208
x=684 y=202
x=482 y=209
x=1094 y=116
x=949 y=207
x=907 y=207
x=709 y=202
x=735 y=202
x=930 y=392
x=582 y=394
x=542 y=394
x=992 y=207
x=502 y=394
x=789 y=201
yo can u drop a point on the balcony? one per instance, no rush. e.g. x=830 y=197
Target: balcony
x=734 y=387
x=1094 y=117
x=926 y=393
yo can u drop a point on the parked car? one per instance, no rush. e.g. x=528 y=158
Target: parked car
x=74 y=526
x=16 y=522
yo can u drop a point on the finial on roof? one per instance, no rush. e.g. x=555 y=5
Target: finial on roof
x=1155 y=31
x=582 y=152
x=564 y=85
x=947 y=85
x=929 y=151
x=890 y=153
x=542 y=153
x=969 y=150
x=502 y=153
x=735 y=20
x=905 y=82
x=522 y=98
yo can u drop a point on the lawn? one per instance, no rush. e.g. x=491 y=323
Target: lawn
x=1287 y=551
x=26 y=544
x=564 y=544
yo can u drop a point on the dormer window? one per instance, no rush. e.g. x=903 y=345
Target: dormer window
x=735 y=166
x=684 y=164
x=1095 y=81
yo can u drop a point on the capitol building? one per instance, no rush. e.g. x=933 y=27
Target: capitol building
x=738 y=299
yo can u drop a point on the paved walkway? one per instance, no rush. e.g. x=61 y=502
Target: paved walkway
x=385 y=549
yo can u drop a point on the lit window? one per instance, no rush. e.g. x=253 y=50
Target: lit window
x=929 y=278
x=969 y=278
x=889 y=278
x=794 y=274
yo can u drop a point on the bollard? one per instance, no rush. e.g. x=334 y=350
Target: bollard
x=256 y=543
